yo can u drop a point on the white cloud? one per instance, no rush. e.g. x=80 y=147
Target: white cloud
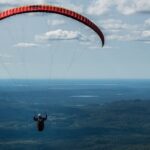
x=60 y=35
x=119 y=37
x=146 y=33
x=69 y=4
x=126 y=7
x=147 y=42
x=147 y=22
x=55 y=22
x=25 y=45
x=116 y=25
x=99 y=7
x=118 y=30
x=142 y=5
x=121 y=31
x=131 y=36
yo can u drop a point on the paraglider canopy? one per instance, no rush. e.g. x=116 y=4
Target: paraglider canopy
x=53 y=9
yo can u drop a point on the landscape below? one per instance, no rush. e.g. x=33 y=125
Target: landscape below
x=83 y=115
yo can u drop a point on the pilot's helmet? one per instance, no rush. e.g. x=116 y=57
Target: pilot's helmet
x=39 y=116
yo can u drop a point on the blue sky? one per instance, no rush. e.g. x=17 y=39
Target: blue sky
x=53 y=46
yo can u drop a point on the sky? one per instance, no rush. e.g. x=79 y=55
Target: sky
x=56 y=47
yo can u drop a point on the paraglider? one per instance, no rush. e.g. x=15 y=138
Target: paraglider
x=53 y=9
x=40 y=121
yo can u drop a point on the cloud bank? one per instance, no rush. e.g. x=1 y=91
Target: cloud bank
x=60 y=34
x=25 y=45
x=125 y=7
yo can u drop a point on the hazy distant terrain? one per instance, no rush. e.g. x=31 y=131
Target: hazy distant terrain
x=82 y=115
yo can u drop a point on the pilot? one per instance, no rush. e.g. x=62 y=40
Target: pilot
x=40 y=121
